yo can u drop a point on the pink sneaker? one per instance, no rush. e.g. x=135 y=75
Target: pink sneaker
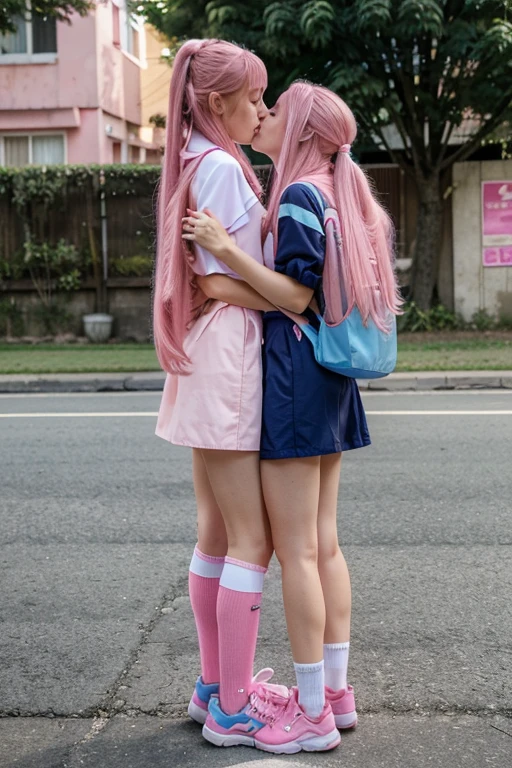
x=198 y=706
x=272 y=723
x=343 y=707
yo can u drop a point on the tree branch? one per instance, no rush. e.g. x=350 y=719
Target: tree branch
x=469 y=147
x=396 y=158
x=444 y=146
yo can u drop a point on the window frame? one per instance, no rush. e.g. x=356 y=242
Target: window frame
x=30 y=135
x=29 y=57
x=131 y=22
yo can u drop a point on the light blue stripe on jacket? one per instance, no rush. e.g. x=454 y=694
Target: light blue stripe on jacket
x=307 y=218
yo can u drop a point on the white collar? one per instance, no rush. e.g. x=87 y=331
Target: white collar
x=199 y=143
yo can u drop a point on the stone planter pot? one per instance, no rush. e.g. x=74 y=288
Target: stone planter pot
x=98 y=327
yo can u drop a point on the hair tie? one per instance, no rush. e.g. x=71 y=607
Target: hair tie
x=345 y=148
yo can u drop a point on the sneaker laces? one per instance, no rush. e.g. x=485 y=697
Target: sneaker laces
x=260 y=683
x=267 y=704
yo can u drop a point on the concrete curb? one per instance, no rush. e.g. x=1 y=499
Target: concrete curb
x=150 y=381
x=439 y=380
x=153 y=381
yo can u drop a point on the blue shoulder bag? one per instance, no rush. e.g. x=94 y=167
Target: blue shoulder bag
x=342 y=342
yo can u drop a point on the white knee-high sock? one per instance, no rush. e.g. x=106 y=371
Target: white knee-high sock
x=311 y=685
x=336 y=665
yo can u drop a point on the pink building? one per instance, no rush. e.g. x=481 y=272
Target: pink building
x=71 y=93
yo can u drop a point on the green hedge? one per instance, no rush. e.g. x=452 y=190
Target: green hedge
x=49 y=184
x=35 y=200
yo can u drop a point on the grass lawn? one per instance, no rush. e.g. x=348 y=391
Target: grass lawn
x=455 y=352
x=462 y=351
x=77 y=358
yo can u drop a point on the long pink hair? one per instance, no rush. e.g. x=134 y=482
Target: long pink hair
x=318 y=124
x=200 y=68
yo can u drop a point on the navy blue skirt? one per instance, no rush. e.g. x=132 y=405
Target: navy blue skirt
x=307 y=409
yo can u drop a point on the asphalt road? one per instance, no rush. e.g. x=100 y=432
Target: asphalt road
x=97 y=644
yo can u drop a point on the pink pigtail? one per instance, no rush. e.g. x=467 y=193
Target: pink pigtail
x=367 y=237
x=172 y=296
x=320 y=126
x=200 y=67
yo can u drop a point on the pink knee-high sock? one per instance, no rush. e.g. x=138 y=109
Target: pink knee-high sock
x=203 y=586
x=238 y=617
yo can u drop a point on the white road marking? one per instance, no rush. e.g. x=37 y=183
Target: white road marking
x=106 y=414
x=365 y=393
x=154 y=414
x=105 y=395
x=439 y=413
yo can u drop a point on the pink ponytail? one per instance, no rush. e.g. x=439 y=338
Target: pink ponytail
x=200 y=68
x=319 y=125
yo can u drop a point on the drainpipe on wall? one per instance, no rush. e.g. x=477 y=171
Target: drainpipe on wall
x=104 y=240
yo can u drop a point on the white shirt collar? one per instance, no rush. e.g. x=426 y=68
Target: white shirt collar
x=199 y=143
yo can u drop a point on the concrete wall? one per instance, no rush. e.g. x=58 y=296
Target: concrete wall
x=90 y=90
x=156 y=78
x=475 y=286
x=70 y=81
x=130 y=306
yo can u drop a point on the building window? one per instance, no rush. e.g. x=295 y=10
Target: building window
x=44 y=35
x=35 y=34
x=37 y=149
x=132 y=37
x=116 y=27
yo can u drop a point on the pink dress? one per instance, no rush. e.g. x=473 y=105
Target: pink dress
x=218 y=405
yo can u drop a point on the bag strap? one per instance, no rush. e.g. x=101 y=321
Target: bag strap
x=300 y=320
x=319 y=198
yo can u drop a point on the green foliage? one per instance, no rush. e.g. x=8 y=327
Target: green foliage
x=11 y=270
x=52 y=269
x=132 y=266
x=438 y=318
x=428 y=62
x=483 y=321
x=11 y=318
x=48 y=185
x=158 y=120
x=54 y=318
x=415 y=72
x=59 y=9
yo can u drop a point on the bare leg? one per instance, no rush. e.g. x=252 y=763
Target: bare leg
x=331 y=563
x=236 y=484
x=291 y=488
x=211 y=532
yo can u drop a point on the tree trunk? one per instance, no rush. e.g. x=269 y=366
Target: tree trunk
x=428 y=240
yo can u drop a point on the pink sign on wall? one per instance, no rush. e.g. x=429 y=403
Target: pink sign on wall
x=497 y=223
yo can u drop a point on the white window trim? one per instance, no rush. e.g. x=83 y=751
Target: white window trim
x=30 y=135
x=136 y=23
x=29 y=57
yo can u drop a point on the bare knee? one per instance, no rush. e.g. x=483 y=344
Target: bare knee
x=328 y=550
x=292 y=557
x=212 y=539
x=251 y=549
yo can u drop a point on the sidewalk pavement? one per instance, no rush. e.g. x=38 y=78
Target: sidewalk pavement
x=152 y=381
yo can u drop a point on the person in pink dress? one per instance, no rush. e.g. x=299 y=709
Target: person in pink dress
x=310 y=414
x=211 y=351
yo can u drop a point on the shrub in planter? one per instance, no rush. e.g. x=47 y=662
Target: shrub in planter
x=132 y=266
x=54 y=272
x=438 y=318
